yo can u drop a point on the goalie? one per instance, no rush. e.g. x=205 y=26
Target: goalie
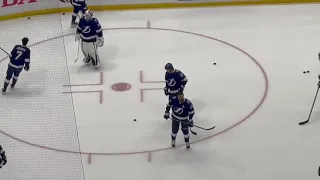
x=90 y=33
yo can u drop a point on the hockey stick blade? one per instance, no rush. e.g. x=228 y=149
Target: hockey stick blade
x=207 y=129
x=194 y=133
x=303 y=122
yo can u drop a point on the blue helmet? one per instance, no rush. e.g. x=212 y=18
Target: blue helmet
x=168 y=66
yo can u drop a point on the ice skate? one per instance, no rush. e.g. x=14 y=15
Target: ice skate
x=187 y=145
x=173 y=143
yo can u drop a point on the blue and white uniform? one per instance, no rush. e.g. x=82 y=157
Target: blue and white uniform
x=182 y=113
x=90 y=32
x=79 y=6
x=19 y=59
x=175 y=83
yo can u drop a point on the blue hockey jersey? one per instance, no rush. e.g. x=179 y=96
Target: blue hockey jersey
x=175 y=81
x=79 y=3
x=89 y=30
x=181 y=111
x=20 y=57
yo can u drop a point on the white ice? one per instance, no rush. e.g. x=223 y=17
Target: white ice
x=268 y=145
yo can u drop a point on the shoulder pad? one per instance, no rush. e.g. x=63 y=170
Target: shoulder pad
x=178 y=71
x=189 y=102
x=95 y=20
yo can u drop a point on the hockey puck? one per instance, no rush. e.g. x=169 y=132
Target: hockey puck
x=308 y=71
x=29 y=18
x=63 y=13
x=134 y=120
x=304 y=72
x=214 y=63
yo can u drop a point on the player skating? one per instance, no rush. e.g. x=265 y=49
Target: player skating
x=3 y=157
x=79 y=8
x=19 y=59
x=175 y=81
x=89 y=31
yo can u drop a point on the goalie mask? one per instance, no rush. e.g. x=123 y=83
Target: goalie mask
x=88 y=15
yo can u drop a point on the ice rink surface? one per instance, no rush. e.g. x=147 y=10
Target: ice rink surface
x=255 y=95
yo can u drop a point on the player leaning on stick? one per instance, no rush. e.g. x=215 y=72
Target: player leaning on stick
x=3 y=157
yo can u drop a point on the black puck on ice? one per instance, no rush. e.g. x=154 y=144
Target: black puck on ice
x=304 y=72
x=308 y=71
x=63 y=13
x=214 y=63
x=29 y=18
x=134 y=120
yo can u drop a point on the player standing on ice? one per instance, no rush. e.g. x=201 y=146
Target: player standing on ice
x=182 y=113
x=90 y=32
x=3 y=157
x=19 y=59
x=175 y=81
x=79 y=6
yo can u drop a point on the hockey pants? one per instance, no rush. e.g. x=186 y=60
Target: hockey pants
x=184 y=128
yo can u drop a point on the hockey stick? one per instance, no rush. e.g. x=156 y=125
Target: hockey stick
x=207 y=129
x=194 y=133
x=305 y=122
x=4 y=52
x=77 y=53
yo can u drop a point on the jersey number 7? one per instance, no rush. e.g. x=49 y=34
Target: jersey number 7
x=19 y=55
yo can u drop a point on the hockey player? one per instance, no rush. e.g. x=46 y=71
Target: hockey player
x=90 y=32
x=175 y=81
x=3 y=157
x=19 y=59
x=79 y=8
x=182 y=113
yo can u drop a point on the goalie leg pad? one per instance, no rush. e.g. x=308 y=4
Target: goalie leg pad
x=85 y=51
x=94 y=54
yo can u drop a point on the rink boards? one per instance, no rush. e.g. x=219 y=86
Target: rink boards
x=10 y=9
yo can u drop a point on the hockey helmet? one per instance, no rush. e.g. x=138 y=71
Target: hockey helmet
x=168 y=66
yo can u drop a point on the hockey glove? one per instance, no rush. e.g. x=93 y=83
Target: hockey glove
x=166 y=115
x=191 y=123
x=100 y=42
x=166 y=92
x=26 y=68
x=77 y=37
